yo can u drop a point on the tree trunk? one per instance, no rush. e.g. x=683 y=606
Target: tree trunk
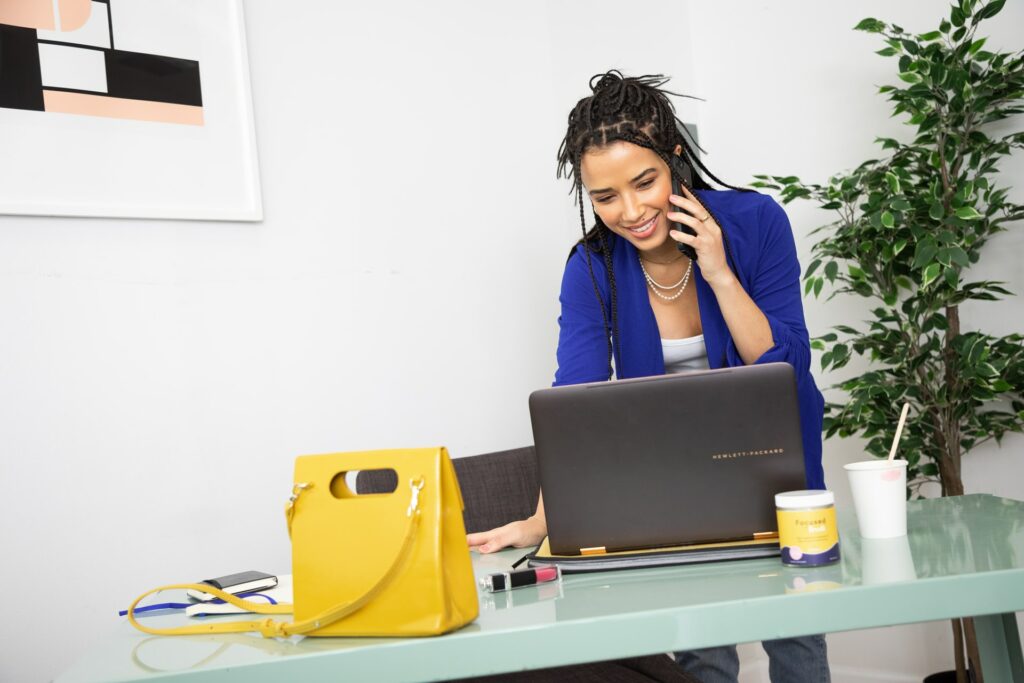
x=947 y=430
x=973 y=656
x=947 y=427
x=958 y=651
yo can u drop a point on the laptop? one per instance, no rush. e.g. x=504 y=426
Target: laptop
x=666 y=461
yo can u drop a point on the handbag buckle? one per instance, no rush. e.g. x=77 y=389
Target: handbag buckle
x=414 y=504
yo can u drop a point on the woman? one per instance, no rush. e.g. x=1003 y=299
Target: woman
x=633 y=304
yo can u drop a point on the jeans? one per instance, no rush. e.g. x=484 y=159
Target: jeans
x=790 y=660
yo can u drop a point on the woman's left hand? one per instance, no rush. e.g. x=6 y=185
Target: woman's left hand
x=708 y=240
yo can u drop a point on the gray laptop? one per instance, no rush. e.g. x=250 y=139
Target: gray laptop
x=668 y=460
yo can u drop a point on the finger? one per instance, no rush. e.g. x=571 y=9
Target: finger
x=680 y=236
x=477 y=539
x=689 y=205
x=496 y=540
x=686 y=219
x=492 y=546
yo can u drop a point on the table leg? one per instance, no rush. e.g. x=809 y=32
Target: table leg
x=999 y=647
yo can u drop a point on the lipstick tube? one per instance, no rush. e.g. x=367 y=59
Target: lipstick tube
x=504 y=581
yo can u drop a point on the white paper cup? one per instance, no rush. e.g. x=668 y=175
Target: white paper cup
x=879 y=497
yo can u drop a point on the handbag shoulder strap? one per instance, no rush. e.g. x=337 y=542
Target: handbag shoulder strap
x=278 y=629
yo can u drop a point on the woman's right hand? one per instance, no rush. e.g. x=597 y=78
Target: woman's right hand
x=522 y=534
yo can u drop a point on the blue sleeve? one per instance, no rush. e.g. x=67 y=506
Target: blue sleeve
x=775 y=288
x=582 y=338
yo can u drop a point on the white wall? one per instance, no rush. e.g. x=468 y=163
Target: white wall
x=157 y=378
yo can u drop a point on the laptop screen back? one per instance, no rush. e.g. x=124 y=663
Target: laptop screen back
x=667 y=460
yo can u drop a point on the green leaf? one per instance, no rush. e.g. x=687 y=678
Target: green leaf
x=812 y=267
x=936 y=212
x=894 y=182
x=831 y=270
x=959 y=256
x=910 y=77
x=967 y=213
x=898 y=247
x=989 y=10
x=924 y=252
x=886 y=51
x=887 y=219
x=987 y=370
x=931 y=35
x=930 y=273
x=976 y=45
x=952 y=279
x=957 y=17
x=870 y=25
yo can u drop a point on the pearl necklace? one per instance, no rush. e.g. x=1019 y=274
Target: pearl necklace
x=683 y=281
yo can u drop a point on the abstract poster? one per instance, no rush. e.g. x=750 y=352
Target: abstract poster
x=61 y=57
x=168 y=78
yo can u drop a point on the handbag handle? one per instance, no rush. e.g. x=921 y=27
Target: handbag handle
x=269 y=628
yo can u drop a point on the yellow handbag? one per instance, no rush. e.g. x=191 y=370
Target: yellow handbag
x=389 y=564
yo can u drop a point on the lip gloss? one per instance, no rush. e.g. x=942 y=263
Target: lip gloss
x=504 y=581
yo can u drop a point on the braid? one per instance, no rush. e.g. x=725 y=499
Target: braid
x=607 y=253
x=593 y=280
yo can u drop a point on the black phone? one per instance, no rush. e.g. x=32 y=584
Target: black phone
x=681 y=173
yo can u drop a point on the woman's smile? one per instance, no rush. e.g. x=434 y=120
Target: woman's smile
x=645 y=229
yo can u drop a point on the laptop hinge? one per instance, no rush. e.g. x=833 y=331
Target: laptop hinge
x=766 y=535
x=596 y=550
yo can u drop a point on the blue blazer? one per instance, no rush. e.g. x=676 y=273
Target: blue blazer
x=765 y=255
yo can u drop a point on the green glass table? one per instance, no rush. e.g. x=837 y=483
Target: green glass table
x=962 y=556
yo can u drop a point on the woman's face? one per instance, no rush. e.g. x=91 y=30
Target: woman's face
x=629 y=186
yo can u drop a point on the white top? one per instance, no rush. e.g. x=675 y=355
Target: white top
x=683 y=355
x=796 y=500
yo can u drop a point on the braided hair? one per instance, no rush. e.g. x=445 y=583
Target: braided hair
x=635 y=110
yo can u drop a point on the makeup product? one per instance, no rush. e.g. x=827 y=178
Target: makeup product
x=504 y=581
x=807 y=527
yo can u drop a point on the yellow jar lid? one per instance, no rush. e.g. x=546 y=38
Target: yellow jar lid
x=804 y=499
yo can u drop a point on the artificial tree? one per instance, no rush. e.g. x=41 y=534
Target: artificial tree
x=907 y=229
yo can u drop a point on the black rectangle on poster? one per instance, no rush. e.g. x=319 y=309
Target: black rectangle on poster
x=139 y=76
x=21 y=80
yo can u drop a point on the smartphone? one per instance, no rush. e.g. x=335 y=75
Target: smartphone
x=681 y=170
x=242 y=582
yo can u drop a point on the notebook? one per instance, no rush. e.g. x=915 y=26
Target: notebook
x=667 y=464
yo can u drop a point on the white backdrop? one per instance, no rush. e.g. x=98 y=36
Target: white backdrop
x=157 y=378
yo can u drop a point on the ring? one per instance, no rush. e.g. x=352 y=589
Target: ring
x=705 y=218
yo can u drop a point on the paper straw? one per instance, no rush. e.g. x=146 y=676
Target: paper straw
x=899 y=431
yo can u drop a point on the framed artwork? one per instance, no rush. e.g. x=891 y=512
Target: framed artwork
x=127 y=108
